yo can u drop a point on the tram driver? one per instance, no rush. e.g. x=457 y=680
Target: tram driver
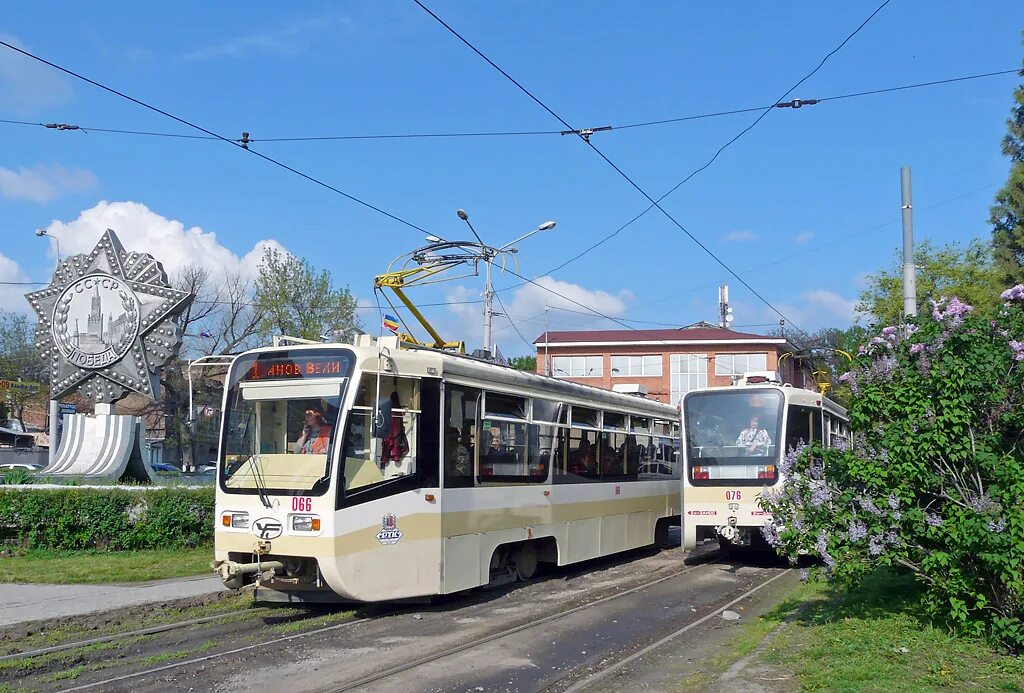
x=316 y=433
x=754 y=439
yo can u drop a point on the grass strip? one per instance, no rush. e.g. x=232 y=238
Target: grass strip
x=877 y=638
x=49 y=566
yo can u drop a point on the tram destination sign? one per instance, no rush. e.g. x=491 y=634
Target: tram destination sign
x=108 y=322
x=297 y=366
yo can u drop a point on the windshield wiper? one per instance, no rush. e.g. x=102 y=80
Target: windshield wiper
x=257 y=475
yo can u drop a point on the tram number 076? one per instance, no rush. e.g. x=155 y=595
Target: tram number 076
x=733 y=495
x=302 y=504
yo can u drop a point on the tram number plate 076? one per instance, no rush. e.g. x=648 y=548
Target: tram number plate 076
x=733 y=495
x=302 y=504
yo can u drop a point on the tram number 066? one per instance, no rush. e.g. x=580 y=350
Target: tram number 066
x=733 y=495
x=302 y=504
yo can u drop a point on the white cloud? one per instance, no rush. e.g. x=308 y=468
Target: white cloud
x=12 y=298
x=42 y=183
x=803 y=237
x=291 y=39
x=140 y=229
x=525 y=306
x=740 y=236
x=27 y=86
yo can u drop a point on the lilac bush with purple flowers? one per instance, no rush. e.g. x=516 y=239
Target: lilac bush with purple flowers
x=932 y=480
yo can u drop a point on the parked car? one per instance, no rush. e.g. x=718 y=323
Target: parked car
x=27 y=466
x=163 y=467
x=208 y=468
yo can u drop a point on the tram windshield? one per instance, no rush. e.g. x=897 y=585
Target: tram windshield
x=280 y=421
x=733 y=436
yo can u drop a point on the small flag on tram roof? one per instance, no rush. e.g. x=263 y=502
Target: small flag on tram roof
x=391 y=322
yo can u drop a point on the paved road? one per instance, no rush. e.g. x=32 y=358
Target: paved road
x=21 y=603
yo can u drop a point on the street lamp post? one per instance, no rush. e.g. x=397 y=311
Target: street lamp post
x=54 y=404
x=487 y=254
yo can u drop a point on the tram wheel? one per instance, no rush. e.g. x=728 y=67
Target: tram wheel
x=526 y=561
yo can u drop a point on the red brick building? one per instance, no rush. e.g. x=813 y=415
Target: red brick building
x=668 y=362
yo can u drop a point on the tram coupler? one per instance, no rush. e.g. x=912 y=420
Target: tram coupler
x=233 y=574
x=737 y=536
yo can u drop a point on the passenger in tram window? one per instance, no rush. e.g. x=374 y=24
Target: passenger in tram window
x=316 y=433
x=754 y=439
x=456 y=454
x=584 y=463
x=396 y=445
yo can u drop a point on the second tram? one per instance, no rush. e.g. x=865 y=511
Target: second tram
x=371 y=472
x=735 y=438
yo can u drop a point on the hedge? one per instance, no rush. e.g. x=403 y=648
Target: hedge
x=108 y=519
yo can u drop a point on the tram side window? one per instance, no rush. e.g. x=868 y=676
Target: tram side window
x=803 y=426
x=460 y=416
x=510 y=454
x=369 y=460
x=581 y=447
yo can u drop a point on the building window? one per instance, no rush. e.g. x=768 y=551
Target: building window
x=577 y=366
x=738 y=364
x=689 y=372
x=636 y=365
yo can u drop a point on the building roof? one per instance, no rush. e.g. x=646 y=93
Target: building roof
x=681 y=335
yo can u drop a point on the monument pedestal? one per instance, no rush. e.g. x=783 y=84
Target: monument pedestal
x=105 y=446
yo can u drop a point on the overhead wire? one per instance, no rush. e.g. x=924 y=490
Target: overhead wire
x=235 y=143
x=656 y=203
x=500 y=133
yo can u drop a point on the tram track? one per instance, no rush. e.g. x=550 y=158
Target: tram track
x=212 y=667
x=124 y=680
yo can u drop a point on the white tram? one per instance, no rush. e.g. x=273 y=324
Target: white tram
x=735 y=439
x=372 y=472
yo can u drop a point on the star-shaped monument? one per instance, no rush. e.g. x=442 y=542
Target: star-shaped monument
x=108 y=323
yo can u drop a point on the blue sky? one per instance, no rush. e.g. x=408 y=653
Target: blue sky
x=821 y=179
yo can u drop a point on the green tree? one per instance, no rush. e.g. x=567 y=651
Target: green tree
x=299 y=301
x=1008 y=212
x=524 y=363
x=19 y=361
x=825 y=353
x=950 y=270
x=933 y=479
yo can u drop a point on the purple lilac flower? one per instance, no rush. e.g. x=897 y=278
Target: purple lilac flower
x=830 y=562
x=924 y=365
x=980 y=505
x=867 y=504
x=932 y=519
x=876 y=545
x=911 y=329
x=896 y=515
x=1014 y=293
x=893 y=501
x=840 y=444
x=891 y=537
x=997 y=526
x=805 y=575
x=770 y=532
x=820 y=495
x=890 y=333
x=821 y=544
x=937 y=308
x=858 y=530
x=862 y=350
x=1018 y=350
x=789 y=460
x=916 y=348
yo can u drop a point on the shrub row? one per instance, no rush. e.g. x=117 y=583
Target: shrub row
x=108 y=519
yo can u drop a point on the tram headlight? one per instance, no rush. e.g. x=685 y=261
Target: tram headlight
x=235 y=520
x=305 y=523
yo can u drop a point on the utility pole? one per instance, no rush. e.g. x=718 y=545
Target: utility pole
x=55 y=414
x=547 y=344
x=488 y=304
x=724 y=310
x=909 y=270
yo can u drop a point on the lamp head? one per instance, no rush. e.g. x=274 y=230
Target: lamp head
x=433 y=239
x=546 y=226
x=40 y=232
x=462 y=214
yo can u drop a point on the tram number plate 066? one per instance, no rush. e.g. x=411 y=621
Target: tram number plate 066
x=302 y=504
x=733 y=495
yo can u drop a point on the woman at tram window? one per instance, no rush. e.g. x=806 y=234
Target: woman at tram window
x=754 y=439
x=316 y=433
